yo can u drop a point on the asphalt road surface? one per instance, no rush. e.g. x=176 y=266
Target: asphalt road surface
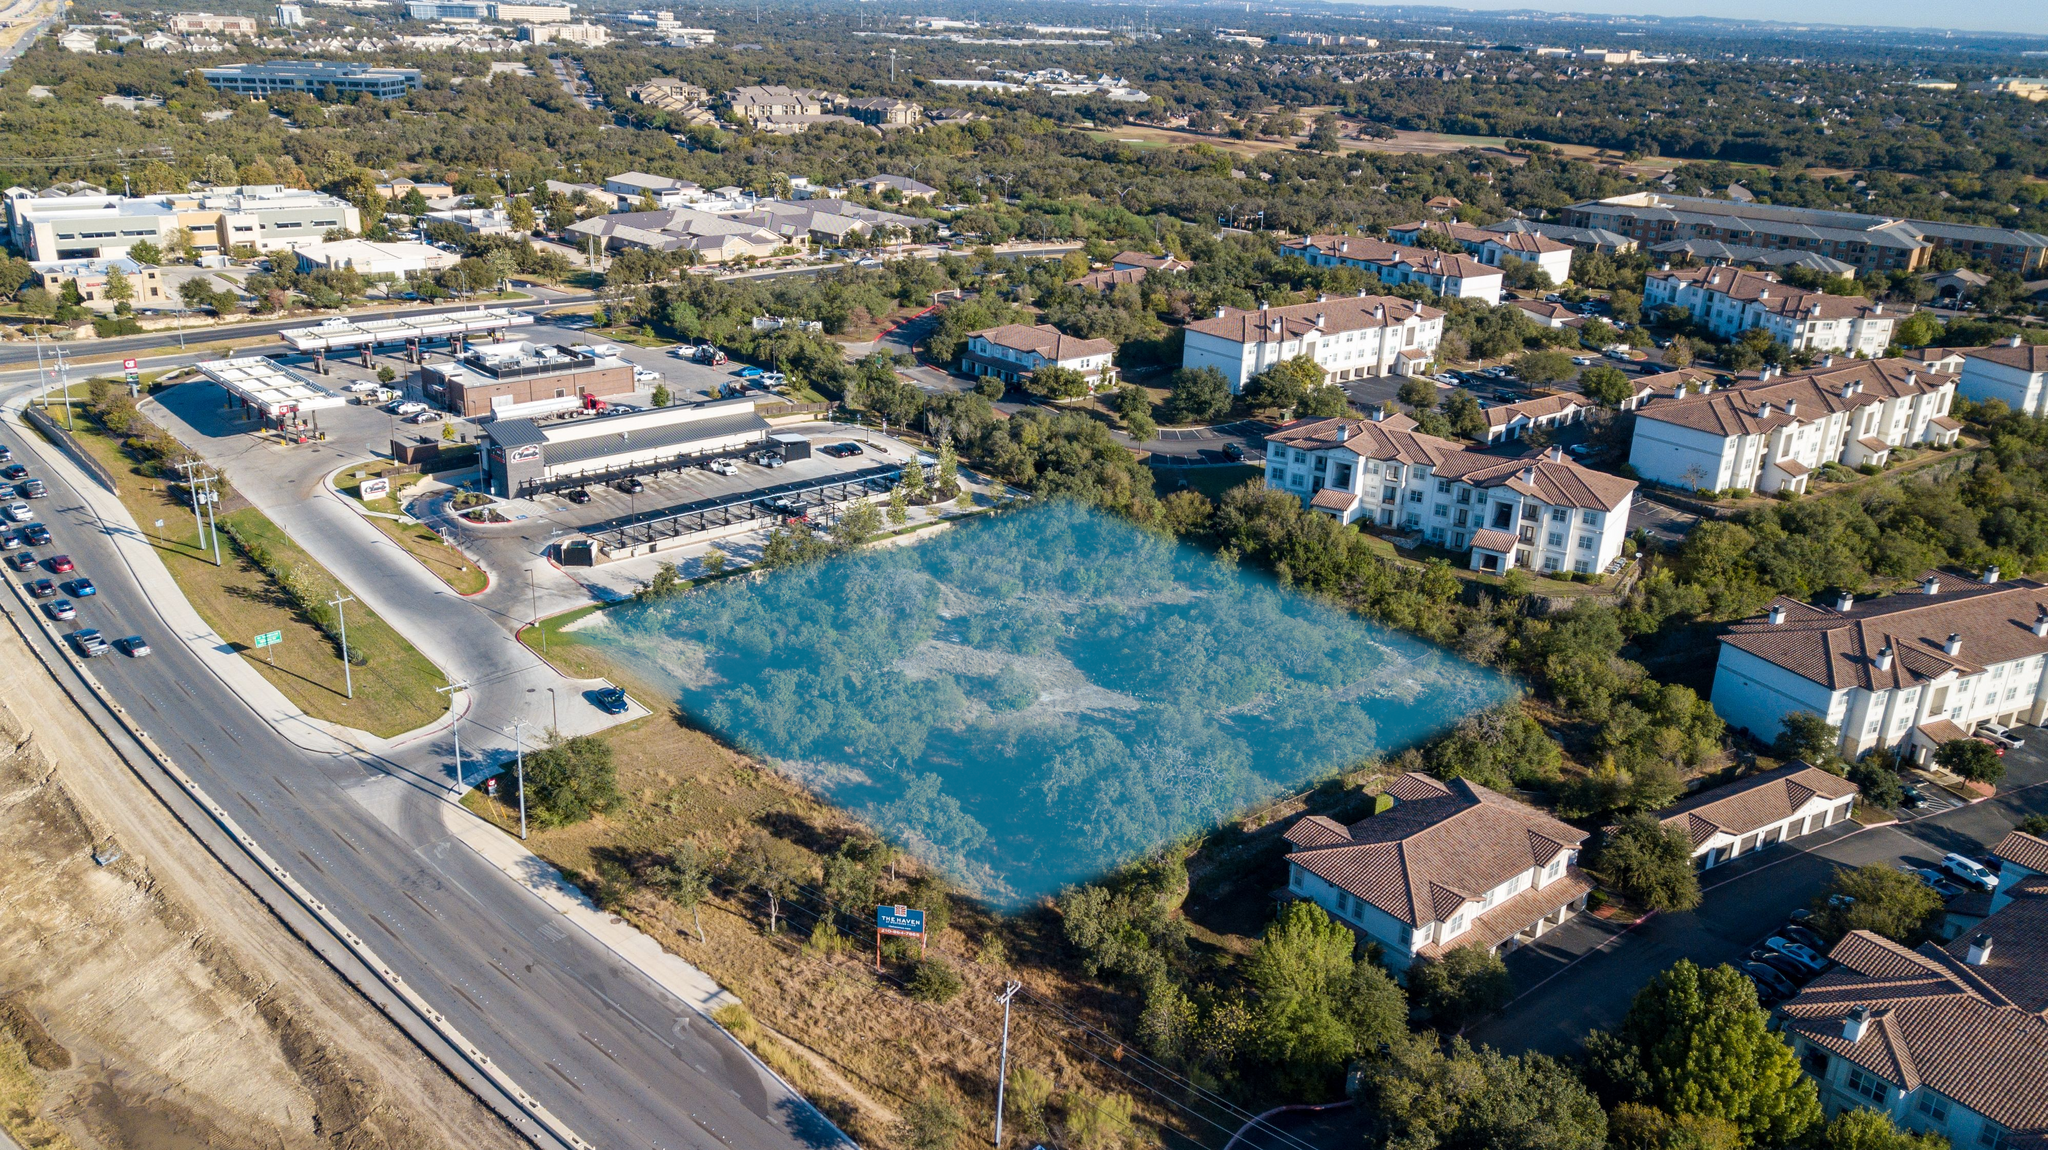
x=615 y=1056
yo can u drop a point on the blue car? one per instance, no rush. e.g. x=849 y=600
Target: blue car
x=80 y=588
x=750 y=372
x=612 y=700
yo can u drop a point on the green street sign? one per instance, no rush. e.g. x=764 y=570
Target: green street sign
x=269 y=639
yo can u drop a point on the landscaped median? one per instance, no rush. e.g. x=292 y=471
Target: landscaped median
x=266 y=583
x=447 y=563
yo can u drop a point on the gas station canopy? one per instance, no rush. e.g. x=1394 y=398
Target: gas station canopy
x=337 y=334
x=270 y=388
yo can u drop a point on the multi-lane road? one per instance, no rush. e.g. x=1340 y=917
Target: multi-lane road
x=615 y=1056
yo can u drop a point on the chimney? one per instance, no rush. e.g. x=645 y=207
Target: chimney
x=1857 y=1022
x=1379 y=311
x=1273 y=324
x=1980 y=950
x=1844 y=602
x=1931 y=585
x=2041 y=624
x=1877 y=308
x=1763 y=293
x=1911 y=379
x=1322 y=297
x=1991 y=573
x=1812 y=309
x=1777 y=614
x=2014 y=341
x=1343 y=432
x=1884 y=657
x=1791 y=407
x=1344 y=246
x=1555 y=453
x=1320 y=320
x=1220 y=310
x=1827 y=360
x=1954 y=646
x=1527 y=475
x=1678 y=391
x=1379 y=414
x=1763 y=410
x=1665 y=266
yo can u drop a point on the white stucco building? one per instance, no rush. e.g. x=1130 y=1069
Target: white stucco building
x=1014 y=351
x=1349 y=338
x=2015 y=372
x=1770 y=432
x=1443 y=273
x=1760 y=811
x=1728 y=301
x=1916 y=669
x=1495 y=248
x=1541 y=512
x=1450 y=864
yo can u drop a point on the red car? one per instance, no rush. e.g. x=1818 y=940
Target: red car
x=60 y=564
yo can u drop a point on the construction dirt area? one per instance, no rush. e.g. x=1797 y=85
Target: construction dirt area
x=148 y=1000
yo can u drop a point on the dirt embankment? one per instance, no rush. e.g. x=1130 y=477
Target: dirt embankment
x=148 y=1001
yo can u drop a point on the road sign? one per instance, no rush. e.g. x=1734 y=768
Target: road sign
x=269 y=639
x=901 y=920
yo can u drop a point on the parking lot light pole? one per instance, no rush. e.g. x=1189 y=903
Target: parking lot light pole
x=348 y=678
x=455 y=726
x=534 y=587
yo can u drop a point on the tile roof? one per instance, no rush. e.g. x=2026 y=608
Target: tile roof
x=1431 y=853
x=1974 y=1033
x=1367 y=250
x=1544 y=309
x=1503 y=414
x=2024 y=849
x=1546 y=475
x=1503 y=542
x=1510 y=918
x=1778 y=298
x=1348 y=313
x=1752 y=803
x=1840 y=650
x=1331 y=499
x=1147 y=262
x=2028 y=357
x=1045 y=339
x=1110 y=277
x=1757 y=406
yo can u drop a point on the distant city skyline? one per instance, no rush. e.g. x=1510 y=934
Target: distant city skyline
x=1995 y=16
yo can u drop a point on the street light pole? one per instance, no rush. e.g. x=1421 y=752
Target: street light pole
x=341 y=615
x=455 y=726
x=519 y=766
x=534 y=587
x=1003 y=1072
x=555 y=706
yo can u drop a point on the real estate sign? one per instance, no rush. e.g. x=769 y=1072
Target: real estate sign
x=899 y=920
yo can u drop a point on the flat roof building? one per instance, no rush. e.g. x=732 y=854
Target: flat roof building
x=522 y=372
x=313 y=76
x=370 y=258
x=522 y=454
x=271 y=390
x=263 y=216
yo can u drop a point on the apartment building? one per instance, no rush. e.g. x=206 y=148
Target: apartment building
x=665 y=191
x=186 y=23
x=1584 y=239
x=590 y=35
x=1947 y=1039
x=761 y=101
x=1349 y=338
x=1762 y=259
x=144 y=280
x=1771 y=432
x=2014 y=372
x=1728 y=301
x=885 y=112
x=669 y=94
x=1442 y=273
x=263 y=216
x=1515 y=420
x=1013 y=351
x=1450 y=864
x=1911 y=670
x=1551 y=257
x=1872 y=243
x=1540 y=512
x=1758 y=812
x=906 y=189
x=348 y=80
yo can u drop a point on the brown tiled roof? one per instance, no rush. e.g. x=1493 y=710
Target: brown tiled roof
x=1943 y=731
x=1529 y=242
x=1548 y=310
x=1752 y=803
x=1840 y=650
x=1542 y=405
x=1349 y=313
x=1545 y=475
x=1503 y=542
x=1751 y=406
x=1367 y=250
x=1109 y=278
x=1777 y=298
x=1507 y=919
x=1045 y=339
x=1331 y=499
x=1146 y=262
x=2024 y=849
x=1975 y=1034
x=2030 y=357
x=1430 y=854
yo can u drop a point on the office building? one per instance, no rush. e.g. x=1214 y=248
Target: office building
x=590 y=35
x=264 y=217
x=315 y=77
x=290 y=16
x=186 y=23
x=145 y=282
x=521 y=453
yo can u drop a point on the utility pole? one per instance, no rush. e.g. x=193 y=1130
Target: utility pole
x=519 y=766
x=64 y=378
x=192 y=485
x=892 y=65
x=213 y=518
x=534 y=587
x=455 y=726
x=1003 y=1071
x=347 y=676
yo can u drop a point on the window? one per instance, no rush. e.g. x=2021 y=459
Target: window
x=1294 y=877
x=1557 y=539
x=1555 y=868
x=1456 y=924
x=1868 y=1085
x=1590 y=518
x=1550 y=562
x=1415 y=496
x=1587 y=542
x=1462 y=517
x=1932 y=1105
x=1560 y=515
x=1992 y=1137
x=1442 y=511
x=1443 y=486
x=1582 y=566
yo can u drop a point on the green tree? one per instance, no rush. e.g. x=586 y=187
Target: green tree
x=1634 y=1126
x=37 y=302
x=1607 y=385
x=1463 y=412
x=1417 y=392
x=385 y=373
x=1878 y=783
x=857 y=524
x=1974 y=759
x=1879 y=899
x=1862 y=1129
x=685 y=877
x=714 y=562
x=662 y=396
x=522 y=215
x=1544 y=366
x=1421 y=1095
x=1917 y=330
x=935 y=981
x=1650 y=864
x=1135 y=407
x=569 y=780
x=1054 y=382
x=119 y=288
x=1283 y=386
x=1679 y=354
x=1464 y=985
x=930 y=1122
x=1809 y=738
x=1696 y=1042
x=2036 y=825
x=1197 y=395
x=1316 y=1008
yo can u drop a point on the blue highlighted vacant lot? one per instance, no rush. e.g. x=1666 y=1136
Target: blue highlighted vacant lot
x=1030 y=699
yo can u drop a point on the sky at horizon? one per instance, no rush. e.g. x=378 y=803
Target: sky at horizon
x=1990 y=16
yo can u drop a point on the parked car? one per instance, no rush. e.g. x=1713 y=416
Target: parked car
x=2003 y=736
x=851 y=448
x=36 y=534
x=81 y=587
x=576 y=495
x=134 y=646
x=770 y=460
x=428 y=416
x=752 y=372
x=1910 y=798
x=406 y=407
x=18 y=511
x=61 y=565
x=89 y=641
x=642 y=375
x=22 y=561
x=1583 y=360
x=1767 y=978
x=1580 y=450
x=1805 y=938
x=1234 y=452
x=723 y=467
x=1793 y=972
x=1969 y=870
x=612 y=701
x=61 y=609
x=362 y=386
x=631 y=485
x=40 y=588
x=1802 y=955
x=1933 y=879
